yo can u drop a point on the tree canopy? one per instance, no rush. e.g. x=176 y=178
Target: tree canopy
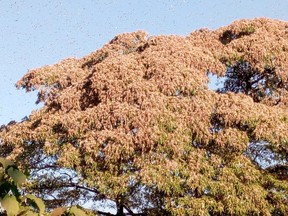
x=134 y=123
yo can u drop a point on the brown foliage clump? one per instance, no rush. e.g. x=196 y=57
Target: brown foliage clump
x=137 y=123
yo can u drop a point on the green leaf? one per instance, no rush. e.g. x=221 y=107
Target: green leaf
x=76 y=211
x=31 y=213
x=26 y=211
x=2 y=174
x=39 y=203
x=18 y=177
x=58 y=211
x=10 y=204
x=6 y=162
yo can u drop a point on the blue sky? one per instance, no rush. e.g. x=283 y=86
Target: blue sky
x=37 y=33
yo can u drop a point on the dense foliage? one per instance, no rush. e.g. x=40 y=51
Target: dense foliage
x=135 y=124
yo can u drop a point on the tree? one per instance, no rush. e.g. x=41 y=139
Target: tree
x=134 y=123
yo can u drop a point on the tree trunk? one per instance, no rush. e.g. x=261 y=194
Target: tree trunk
x=120 y=209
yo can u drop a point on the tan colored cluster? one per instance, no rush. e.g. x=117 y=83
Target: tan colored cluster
x=140 y=109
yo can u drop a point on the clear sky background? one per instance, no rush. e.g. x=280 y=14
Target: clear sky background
x=43 y=32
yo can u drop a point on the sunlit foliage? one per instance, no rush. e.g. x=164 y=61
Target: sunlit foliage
x=134 y=123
